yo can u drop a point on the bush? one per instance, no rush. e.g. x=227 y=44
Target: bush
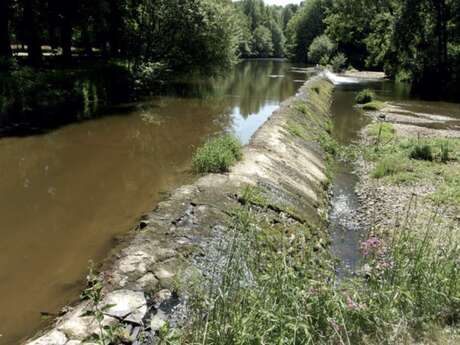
x=339 y=63
x=217 y=155
x=147 y=76
x=321 y=50
x=373 y=106
x=422 y=152
x=445 y=152
x=365 y=96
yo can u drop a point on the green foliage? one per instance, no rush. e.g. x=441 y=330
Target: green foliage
x=303 y=28
x=415 y=41
x=105 y=334
x=421 y=152
x=254 y=196
x=262 y=42
x=321 y=50
x=448 y=191
x=263 y=28
x=217 y=155
x=381 y=132
x=24 y=90
x=339 y=63
x=365 y=96
x=279 y=286
x=390 y=165
x=374 y=106
x=196 y=34
x=445 y=152
x=147 y=75
x=414 y=161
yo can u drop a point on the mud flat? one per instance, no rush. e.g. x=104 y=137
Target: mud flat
x=145 y=280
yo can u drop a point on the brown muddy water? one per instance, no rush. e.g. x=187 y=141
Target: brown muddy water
x=66 y=196
x=346 y=229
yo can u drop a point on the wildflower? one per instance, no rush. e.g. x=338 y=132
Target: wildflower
x=335 y=325
x=370 y=245
x=352 y=305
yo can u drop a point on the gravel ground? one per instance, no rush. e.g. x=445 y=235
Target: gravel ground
x=388 y=207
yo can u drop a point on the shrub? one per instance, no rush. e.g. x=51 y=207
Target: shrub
x=321 y=50
x=422 y=152
x=373 y=106
x=147 y=75
x=339 y=63
x=365 y=96
x=217 y=154
x=445 y=152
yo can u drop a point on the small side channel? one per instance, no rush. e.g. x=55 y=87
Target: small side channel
x=345 y=229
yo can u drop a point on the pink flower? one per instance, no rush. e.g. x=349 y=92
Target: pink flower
x=370 y=245
x=352 y=305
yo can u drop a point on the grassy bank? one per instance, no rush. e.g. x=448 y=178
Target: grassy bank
x=409 y=161
x=278 y=284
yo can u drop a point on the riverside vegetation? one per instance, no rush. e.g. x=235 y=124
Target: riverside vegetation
x=217 y=155
x=279 y=284
x=49 y=49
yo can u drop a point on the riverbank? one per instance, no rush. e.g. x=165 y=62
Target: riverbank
x=409 y=192
x=283 y=177
x=34 y=101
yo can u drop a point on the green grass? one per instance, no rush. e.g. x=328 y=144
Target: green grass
x=399 y=160
x=381 y=132
x=217 y=155
x=390 y=165
x=278 y=286
x=374 y=106
x=421 y=151
x=365 y=96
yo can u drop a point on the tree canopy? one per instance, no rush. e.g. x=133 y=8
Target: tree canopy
x=413 y=40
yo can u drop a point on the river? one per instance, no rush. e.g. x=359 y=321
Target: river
x=69 y=194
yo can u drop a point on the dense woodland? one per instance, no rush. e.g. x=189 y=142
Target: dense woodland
x=417 y=41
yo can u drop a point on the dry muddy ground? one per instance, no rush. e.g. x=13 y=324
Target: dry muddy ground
x=146 y=282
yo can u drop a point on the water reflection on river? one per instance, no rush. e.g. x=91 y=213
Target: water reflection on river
x=65 y=195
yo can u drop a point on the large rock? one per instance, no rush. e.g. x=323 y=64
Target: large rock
x=127 y=305
x=76 y=327
x=52 y=338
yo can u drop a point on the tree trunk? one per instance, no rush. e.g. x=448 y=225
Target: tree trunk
x=66 y=39
x=114 y=28
x=441 y=33
x=52 y=24
x=32 y=30
x=86 y=36
x=5 y=43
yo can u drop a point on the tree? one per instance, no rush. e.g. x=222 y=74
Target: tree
x=321 y=49
x=32 y=32
x=196 y=34
x=5 y=43
x=349 y=23
x=302 y=29
x=262 y=43
x=278 y=39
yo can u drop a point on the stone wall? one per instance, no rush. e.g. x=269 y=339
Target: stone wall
x=176 y=243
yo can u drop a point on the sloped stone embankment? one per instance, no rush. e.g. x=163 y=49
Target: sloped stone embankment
x=176 y=243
